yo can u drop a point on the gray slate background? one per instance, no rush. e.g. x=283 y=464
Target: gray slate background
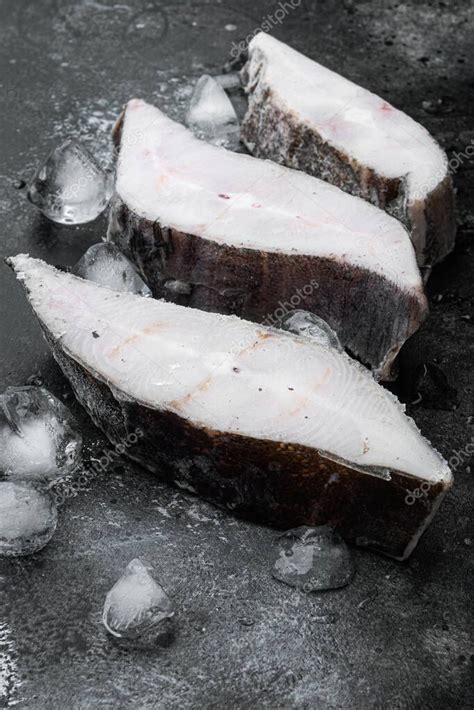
x=399 y=637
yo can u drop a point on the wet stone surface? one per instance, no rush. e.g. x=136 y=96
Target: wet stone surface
x=398 y=635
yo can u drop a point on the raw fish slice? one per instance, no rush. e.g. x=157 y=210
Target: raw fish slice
x=277 y=427
x=307 y=117
x=215 y=230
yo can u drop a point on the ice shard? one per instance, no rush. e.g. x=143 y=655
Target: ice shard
x=211 y=115
x=105 y=265
x=310 y=326
x=137 y=608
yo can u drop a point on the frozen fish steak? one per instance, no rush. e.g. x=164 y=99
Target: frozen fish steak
x=305 y=116
x=247 y=237
x=274 y=426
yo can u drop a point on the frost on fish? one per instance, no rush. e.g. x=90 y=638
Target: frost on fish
x=252 y=238
x=305 y=116
x=271 y=425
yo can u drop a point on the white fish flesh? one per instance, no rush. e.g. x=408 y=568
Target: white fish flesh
x=229 y=233
x=276 y=427
x=308 y=117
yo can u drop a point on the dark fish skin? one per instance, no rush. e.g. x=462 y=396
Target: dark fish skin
x=372 y=316
x=272 y=133
x=277 y=484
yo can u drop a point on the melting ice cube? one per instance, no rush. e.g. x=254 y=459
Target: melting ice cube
x=28 y=518
x=312 y=327
x=104 y=264
x=39 y=439
x=313 y=559
x=137 y=608
x=211 y=115
x=71 y=187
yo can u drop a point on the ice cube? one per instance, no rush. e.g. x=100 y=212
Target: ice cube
x=137 y=608
x=28 y=518
x=313 y=559
x=71 y=187
x=211 y=115
x=312 y=327
x=104 y=264
x=229 y=81
x=39 y=439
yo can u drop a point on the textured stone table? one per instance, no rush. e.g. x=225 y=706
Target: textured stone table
x=398 y=637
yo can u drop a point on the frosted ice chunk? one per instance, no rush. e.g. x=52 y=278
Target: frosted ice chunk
x=312 y=327
x=28 y=518
x=39 y=439
x=137 y=608
x=313 y=559
x=104 y=264
x=71 y=187
x=211 y=115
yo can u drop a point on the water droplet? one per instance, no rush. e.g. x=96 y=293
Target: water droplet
x=440 y=106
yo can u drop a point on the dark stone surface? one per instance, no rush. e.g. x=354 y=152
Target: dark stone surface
x=399 y=636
